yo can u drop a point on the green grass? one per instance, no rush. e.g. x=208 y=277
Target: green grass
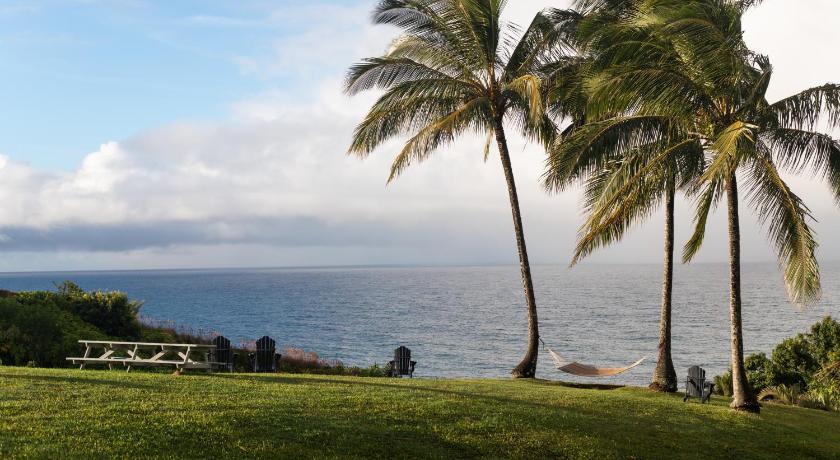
x=94 y=414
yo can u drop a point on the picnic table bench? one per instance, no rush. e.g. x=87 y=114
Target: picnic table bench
x=131 y=354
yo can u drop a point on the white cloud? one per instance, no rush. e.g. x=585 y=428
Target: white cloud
x=272 y=185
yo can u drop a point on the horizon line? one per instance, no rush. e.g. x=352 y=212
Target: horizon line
x=362 y=266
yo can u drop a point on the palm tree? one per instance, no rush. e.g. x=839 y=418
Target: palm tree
x=617 y=198
x=595 y=155
x=455 y=69
x=694 y=76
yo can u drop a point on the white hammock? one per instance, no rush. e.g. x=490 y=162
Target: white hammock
x=587 y=371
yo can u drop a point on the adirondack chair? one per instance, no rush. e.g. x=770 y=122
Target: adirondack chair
x=696 y=385
x=222 y=354
x=402 y=363
x=265 y=357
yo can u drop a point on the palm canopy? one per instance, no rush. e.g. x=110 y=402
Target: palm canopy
x=672 y=78
x=456 y=68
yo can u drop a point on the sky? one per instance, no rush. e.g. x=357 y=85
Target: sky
x=142 y=134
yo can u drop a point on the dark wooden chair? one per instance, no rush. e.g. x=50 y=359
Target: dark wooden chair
x=696 y=385
x=265 y=357
x=402 y=363
x=222 y=356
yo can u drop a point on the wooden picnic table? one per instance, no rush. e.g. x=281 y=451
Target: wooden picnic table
x=131 y=354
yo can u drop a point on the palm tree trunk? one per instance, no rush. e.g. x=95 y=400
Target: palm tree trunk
x=742 y=395
x=527 y=368
x=664 y=376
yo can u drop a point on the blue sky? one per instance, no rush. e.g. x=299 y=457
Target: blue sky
x=187 y=133
x=76 y=72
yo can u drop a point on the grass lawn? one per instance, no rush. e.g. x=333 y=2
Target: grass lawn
x=90 y=414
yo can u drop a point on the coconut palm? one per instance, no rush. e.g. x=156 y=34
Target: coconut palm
x=610 y=215
x=692 y=77
x=457 y=68
x=591 y=154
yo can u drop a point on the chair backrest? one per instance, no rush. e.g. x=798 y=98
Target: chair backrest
x=402 y=360
x=264 y=357
x=695 y=381
x=223 y=353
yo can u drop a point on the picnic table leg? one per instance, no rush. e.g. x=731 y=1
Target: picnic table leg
x=87 y=354
x=186 y=358
x=133 y=357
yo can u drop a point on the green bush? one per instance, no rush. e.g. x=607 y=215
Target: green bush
x=826 y=386
x=112 y=312
x=824 y=341
x=759 y=371
x=42 y=336
x=793 y=362
x=723 y=384
x=796 y=360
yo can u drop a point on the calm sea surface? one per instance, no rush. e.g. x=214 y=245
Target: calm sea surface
x=470 y=321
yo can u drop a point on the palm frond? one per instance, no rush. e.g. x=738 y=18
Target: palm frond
x=786 y=218
x=728 y=145
x=387 y=72
x=443 y=131
x=406 y=108
x=617 y=197
x=592 y=145
x=796 y=150
x=706 y=202
x=529 y=89
x=804 y=110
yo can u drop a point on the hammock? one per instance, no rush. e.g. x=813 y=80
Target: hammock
x=587 y=371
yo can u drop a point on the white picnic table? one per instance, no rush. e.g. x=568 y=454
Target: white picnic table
x=131 y=354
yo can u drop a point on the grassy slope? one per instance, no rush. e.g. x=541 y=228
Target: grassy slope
x=69 y=413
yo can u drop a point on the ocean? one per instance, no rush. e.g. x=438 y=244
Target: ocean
x=470 y=321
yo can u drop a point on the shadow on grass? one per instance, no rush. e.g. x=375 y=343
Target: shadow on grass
x=577 y=386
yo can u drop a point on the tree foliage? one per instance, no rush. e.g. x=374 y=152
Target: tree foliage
x=672 y=84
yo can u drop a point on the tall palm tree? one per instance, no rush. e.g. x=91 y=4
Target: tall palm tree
x=695 y=76
x=616 y=199
x=458 y=68
x=595 y=155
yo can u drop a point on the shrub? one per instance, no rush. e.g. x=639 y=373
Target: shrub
x=723 y=384
x=826 y=386
x=44 y=336
x=759 y=371
x=796 y=360
x=297 y=360
x=824 y=341
x=816 y=400
x=793 y=362
x=785 y=394
x=111 y=312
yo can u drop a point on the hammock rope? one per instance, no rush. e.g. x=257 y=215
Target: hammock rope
x=584 y=370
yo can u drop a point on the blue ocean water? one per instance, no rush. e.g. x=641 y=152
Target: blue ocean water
x=470 y=321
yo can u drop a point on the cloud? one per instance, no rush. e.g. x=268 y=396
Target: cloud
x=125 y=236
x=271 y=185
